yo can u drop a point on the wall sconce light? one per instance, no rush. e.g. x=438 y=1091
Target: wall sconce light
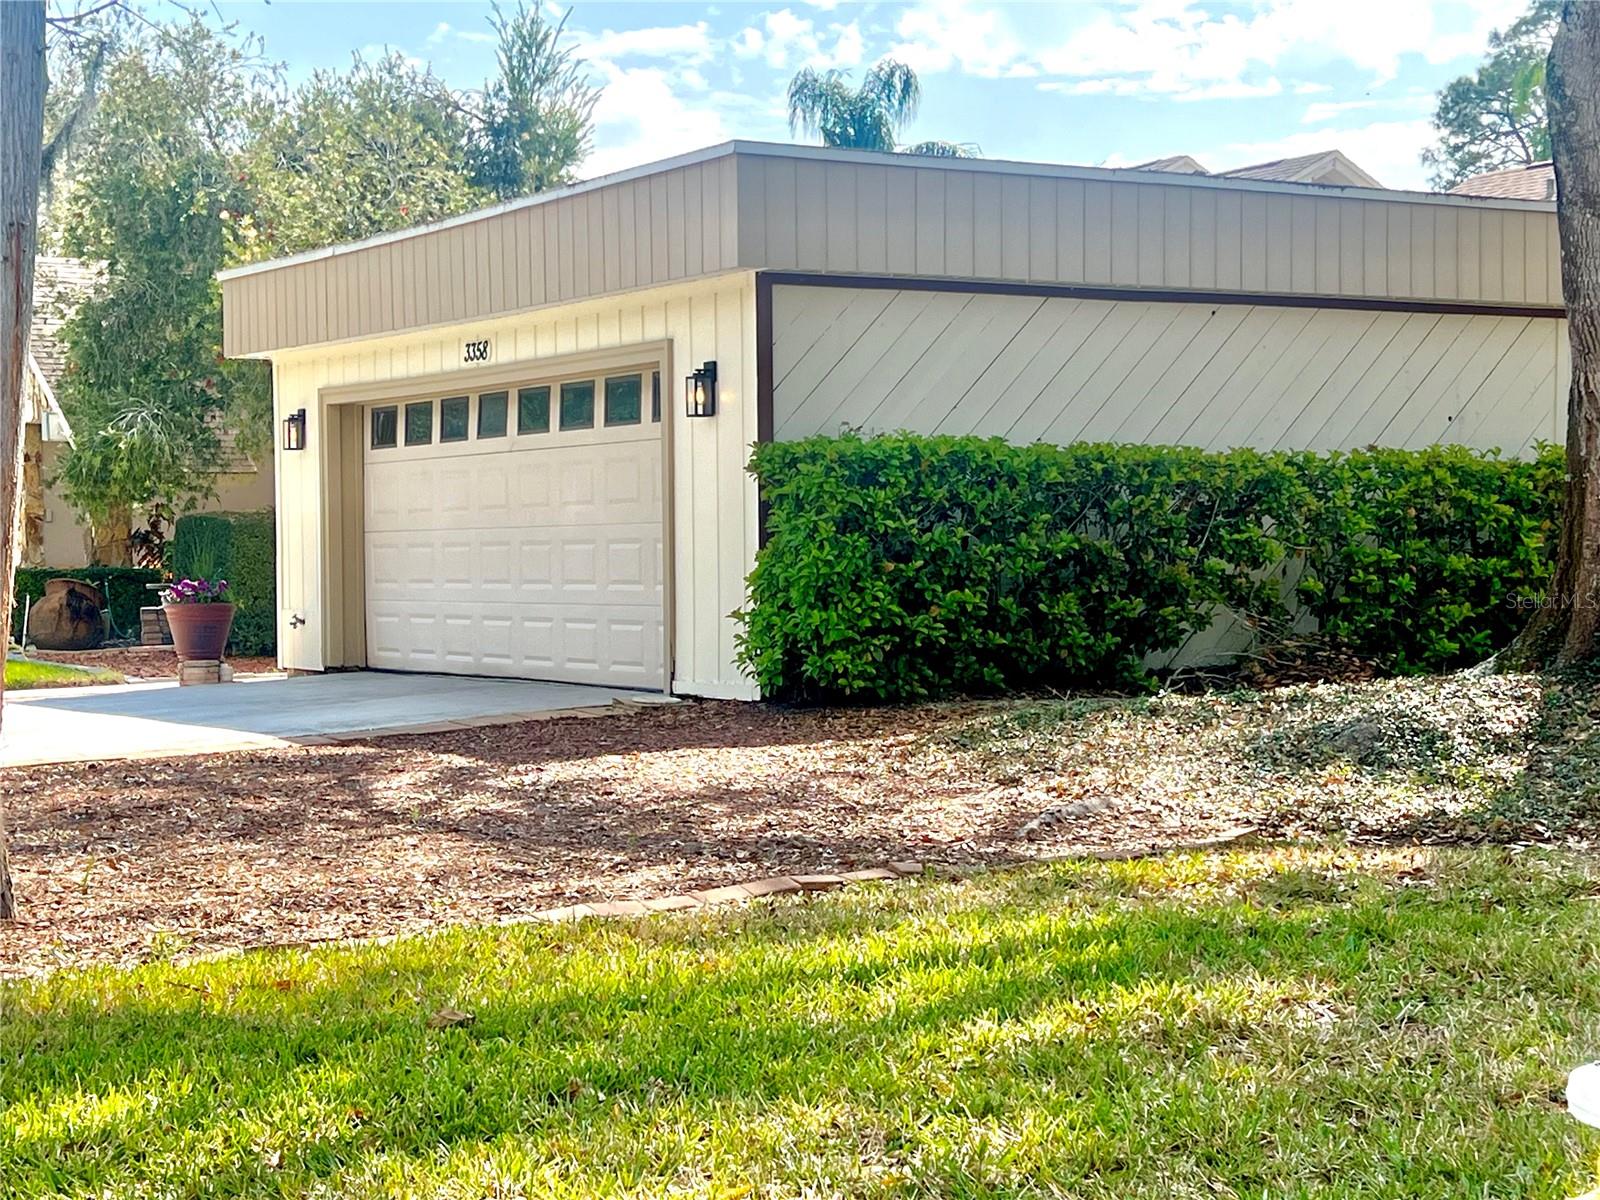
x=294 y=431
x=702 y=391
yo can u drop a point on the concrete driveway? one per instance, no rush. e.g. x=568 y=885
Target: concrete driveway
x=158 y=720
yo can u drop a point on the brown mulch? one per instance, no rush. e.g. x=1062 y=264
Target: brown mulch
x=115 y=861
x=147 y=664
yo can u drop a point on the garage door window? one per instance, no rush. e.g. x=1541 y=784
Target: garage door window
x=492 y=415
x=419 y=423
x=384 y=427
x=533 y=410
x=577 y=405
x=623 y=396
x=453 y=422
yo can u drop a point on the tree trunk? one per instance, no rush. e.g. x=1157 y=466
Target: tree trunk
x=22 y=84
x=1564 y=629
x=108 y=536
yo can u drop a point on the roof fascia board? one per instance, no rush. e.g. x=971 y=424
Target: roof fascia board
x=992 y=166
x=690 y=159
x=1001 y=166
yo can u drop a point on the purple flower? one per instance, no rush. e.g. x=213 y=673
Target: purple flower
x=196 y=591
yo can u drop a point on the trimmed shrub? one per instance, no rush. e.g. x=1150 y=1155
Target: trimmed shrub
x=1424 y=560
x=241 y=548
x=901 y=567
x=126 y=590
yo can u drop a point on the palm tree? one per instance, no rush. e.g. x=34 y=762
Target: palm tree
x=863 y=118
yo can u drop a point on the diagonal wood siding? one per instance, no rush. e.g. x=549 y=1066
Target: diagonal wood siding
x=1054 y=369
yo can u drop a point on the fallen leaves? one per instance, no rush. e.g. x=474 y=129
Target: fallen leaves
x=450 y=1018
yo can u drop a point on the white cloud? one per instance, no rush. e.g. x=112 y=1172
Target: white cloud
x=1387 y=150
x=1180 y=48
x=946 y=36
x=1327 y=110
x=782 y=39
x=640 y=118
x=444 y=30
x=786 y=41
x=688 y=43
x=849 y=47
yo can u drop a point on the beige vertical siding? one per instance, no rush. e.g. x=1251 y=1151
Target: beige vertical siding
x=1053 y=369
x=634 y=233
x=898 y=218
x=713 y=499
x=752 y=207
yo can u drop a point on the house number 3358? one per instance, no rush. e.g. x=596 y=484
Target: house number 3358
x=476 y=351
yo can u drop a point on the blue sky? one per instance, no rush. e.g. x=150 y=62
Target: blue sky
x=1110 y=82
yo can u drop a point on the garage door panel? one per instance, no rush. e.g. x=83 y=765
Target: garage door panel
x=534 y=558
x=608 y=646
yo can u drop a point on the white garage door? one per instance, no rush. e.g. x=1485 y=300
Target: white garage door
x=518 y=532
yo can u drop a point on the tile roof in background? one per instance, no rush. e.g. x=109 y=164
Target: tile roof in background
x=1535 y=181
x=59 y=286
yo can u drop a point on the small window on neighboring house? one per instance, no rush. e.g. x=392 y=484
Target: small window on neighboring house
x=384 y=426
x=492 y=414
x=655 y=396
x=419 y=423
x=533 y=410
x=577 y=404
x=622 y=399
x=453 y=422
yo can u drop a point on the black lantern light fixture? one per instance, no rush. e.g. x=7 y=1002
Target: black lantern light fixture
x=702 y=391
x=294 y=431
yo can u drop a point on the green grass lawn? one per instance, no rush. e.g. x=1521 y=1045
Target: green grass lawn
x=22 y=675
x=1262 y=1023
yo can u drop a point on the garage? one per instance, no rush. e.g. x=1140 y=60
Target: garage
x=785 y=292
x=517 y=530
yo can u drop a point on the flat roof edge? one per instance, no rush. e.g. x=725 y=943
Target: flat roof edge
x=996 y=166
x=693 y=157
x=1004 y=166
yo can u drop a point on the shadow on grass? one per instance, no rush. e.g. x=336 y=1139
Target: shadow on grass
x=1106 y=1029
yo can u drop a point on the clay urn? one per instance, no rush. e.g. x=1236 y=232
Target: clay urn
x=70 y=616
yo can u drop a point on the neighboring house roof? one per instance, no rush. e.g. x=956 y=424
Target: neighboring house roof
x=1535 y=181
x=1179 y=164
x=1325 y=167
x=59 y=286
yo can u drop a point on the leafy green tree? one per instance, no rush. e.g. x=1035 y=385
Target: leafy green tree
x=534 y=121
x=347 y=155
x=146 y=388
x=867 y=117
x=197 y=158
x=1496 y=118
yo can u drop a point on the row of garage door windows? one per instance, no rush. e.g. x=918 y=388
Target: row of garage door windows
x=622 y=405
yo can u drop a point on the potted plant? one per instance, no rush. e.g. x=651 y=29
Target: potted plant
x=200 y=616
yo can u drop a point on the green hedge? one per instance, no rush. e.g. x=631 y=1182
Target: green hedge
x=125 y=588
x=900 y=567
x=241 y=548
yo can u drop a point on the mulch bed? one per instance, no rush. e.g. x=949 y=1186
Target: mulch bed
x=116 y=861
x=152 y=663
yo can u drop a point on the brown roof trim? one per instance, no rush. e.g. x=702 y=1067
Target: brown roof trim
x=765 y=280
x=764 y=419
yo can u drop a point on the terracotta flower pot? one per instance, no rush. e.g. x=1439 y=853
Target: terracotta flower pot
x=199 y=630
